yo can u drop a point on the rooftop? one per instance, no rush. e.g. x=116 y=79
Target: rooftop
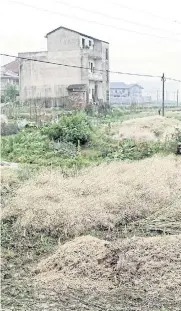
x=81 y=34
x=122 y=85
x=12 y=66
x=76 y=86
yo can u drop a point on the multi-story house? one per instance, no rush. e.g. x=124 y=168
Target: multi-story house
x=80 y=76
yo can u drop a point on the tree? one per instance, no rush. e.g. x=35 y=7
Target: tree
x=10 y=92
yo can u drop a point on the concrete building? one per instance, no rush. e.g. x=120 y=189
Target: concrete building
x=9 y=75
x=121 y=93
x=85 y=79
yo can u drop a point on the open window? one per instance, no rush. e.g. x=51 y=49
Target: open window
x=107 y=75
x=107 y=54
x=91 y=66
x=83 y=42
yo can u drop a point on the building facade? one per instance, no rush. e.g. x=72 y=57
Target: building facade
x=9 y=75
x=85 y=77
x=121 y=93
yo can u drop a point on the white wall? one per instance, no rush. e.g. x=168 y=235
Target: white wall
x=63 y=40
x=48 y=80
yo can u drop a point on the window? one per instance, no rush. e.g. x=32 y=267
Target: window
x=107 y=54
x=107 y=95
x=90 y=43
x=83 y=42
x=107 y=75
x=91 y=66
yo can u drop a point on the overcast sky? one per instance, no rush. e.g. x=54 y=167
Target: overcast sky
x=23 y=29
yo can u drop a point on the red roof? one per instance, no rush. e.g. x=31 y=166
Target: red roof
x=13 y=66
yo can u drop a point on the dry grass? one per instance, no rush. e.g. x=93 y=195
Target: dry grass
x=146 y=128
x=79 y=262
x=8 y=176
x=174 y=114
x=9 y=179
x=103 y=197
x=152 y=267
x=147 y=270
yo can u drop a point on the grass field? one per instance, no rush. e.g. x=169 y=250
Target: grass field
x=102 y=235
x=108 y=237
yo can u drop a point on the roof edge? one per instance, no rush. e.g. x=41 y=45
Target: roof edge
x=75 y=31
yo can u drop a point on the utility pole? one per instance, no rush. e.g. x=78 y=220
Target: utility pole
x=177 y=97
x=163 y=94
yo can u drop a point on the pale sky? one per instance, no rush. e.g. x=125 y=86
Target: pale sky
x=23 y=29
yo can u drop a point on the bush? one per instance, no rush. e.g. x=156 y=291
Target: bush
x=131 y=150
x=72 y=128
x=24 y=146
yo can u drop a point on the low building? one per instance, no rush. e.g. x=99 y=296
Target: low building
x=9 y=75
x=81 y=73
x=121 y=93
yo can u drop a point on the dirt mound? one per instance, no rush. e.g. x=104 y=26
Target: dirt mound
x=146 y=271
x=151 y=267
x=102 y=198
x=147 y=128
x=78 y=261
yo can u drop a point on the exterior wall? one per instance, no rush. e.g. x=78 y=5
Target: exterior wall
x=105 y=67
x=100 y=75
x=77 y=99
x=63 y=40
x=41 y=80
x=126 y=95
x=136 y=91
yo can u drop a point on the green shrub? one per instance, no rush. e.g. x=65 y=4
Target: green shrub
x=66 y=149
x=71 y=128
x=131 y=150
x=24 y=146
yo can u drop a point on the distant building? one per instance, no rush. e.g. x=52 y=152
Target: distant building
x=9 y=75
x=86 y=81
x=121 y=93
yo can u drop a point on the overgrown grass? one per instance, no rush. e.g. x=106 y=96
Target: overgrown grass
x=75 y=142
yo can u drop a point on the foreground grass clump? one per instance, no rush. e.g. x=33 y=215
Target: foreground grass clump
x=108 y=237
x=109 y=197
x=19 y=250
x=144 y=272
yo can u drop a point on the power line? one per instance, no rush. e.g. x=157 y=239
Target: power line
x=147 y=12
x=172 y=79
x=95 y=22
x=80 y=67
x=114 y=17
x=87 y=68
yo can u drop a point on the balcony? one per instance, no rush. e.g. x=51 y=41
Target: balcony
x=91 y=53
x=95 y=75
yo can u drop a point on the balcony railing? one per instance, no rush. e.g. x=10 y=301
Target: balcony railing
x=95 y=54
x=95 y=75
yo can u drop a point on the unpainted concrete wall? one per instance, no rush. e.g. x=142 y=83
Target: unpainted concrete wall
x=48 y=80
x=63 y=40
